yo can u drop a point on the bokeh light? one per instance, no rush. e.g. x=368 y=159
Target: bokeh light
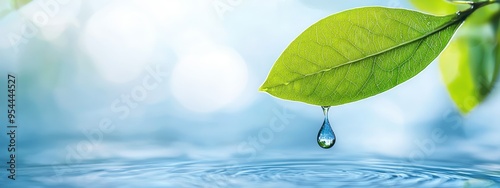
x=209 y=80
x=120 y=40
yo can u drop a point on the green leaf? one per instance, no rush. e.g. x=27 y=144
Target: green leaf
x=496 y=69
x=358 y=53
x=470 y=65
x=467 y=67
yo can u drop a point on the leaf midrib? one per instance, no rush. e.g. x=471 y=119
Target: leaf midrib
x=439 y=29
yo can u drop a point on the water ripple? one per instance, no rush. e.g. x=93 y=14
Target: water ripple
x=266 y=173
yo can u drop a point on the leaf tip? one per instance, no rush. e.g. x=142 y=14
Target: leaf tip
x=466 y=108
x=465 y=111
x=263 y=89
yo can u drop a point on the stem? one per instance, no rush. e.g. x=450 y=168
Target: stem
x=471 y=2
x=462 y=15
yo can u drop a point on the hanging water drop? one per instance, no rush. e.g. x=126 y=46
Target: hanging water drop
x=326 y=137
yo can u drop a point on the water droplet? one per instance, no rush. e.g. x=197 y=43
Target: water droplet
x=326 y=137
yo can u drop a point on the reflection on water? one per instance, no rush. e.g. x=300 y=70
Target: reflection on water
x=264 y=173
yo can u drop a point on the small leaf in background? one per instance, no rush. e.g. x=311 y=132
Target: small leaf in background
x=443 y=7
x=467 y=67
x=482 y=17
x=358 y=53
x=468 y=64
x=19 y=3
x=439 y=7
x=496 y=71
x=7 y=6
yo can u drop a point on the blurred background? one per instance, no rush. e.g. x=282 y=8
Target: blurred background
x=141 y=79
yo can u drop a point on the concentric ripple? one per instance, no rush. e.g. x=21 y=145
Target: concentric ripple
x=267 y=173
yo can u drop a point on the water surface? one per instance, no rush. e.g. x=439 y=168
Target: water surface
x=265 y=173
